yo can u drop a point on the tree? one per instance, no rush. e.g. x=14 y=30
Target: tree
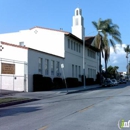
x=127 y=50
x=112 y=71
x=108 y=34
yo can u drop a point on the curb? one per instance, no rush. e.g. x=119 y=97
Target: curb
x=84 y=90
x=31 y=100
x=17 y=102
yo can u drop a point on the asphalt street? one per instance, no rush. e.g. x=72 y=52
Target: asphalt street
x=99 y=109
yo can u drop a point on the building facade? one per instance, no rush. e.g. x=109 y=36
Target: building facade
x=44 y=50
x=25 y=62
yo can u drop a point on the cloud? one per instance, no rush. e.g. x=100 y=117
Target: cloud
x=118 y=58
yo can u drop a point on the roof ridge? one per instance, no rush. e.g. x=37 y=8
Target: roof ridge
x=50 y=29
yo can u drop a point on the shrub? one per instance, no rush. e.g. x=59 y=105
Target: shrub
x=89 y=81
x=80 y=83
x=47 y=83
x=72 y=82
x=37 y=82
x=58 y=82
x=41 y=83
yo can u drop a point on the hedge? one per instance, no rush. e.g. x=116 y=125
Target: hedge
x=72 y=82
x=58 y=83
x=37 y=82
x=47 y=83
x=90 y=81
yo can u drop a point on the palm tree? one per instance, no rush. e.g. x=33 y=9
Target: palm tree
x=108 y=34
x=127 y=50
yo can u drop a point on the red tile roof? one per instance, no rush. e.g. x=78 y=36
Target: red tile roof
x=9 y=44
x=75 y=37
x=88 y=40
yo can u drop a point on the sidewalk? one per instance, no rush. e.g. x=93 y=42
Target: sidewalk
x=45 y=94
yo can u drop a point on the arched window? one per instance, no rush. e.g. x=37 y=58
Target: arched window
x=77 y=13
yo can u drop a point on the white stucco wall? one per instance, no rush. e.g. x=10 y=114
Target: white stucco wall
x=91 y=63
x=33 y=57
x=76 y=58
x=46 y=40
x=13 y=37
x=17 y=56
x=73 y=57
x=49 y=41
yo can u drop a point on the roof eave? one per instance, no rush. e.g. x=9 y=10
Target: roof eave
x=73 y=36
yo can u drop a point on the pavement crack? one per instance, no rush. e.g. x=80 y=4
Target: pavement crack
x=86 y=108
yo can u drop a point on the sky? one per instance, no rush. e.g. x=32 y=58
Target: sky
x=18 y=15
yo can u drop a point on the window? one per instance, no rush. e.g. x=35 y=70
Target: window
x=57 y=68
x=74 y=46
x=75 y=70
x=68 y=43
x=76 y=12
x=46 y=66
x=91 y=73
x=71 y=45
x=91 y=54
x=79 y=70
x=52 y=67
x=79 y=48
x=72 y=70
x=40 y=65
x=94 y=74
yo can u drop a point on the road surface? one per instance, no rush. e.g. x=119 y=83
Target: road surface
x=99 y=109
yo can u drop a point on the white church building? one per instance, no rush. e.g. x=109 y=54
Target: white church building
x=42 y=51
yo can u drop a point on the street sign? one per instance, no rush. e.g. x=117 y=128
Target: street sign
x=62 y=65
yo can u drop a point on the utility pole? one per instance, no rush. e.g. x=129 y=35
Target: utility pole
x=1 y=48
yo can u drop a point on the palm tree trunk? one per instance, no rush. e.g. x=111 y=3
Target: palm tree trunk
x=100 y=68
x=127 y=66
x=106 y=69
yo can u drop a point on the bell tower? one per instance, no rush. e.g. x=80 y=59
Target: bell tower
x=78 y=24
